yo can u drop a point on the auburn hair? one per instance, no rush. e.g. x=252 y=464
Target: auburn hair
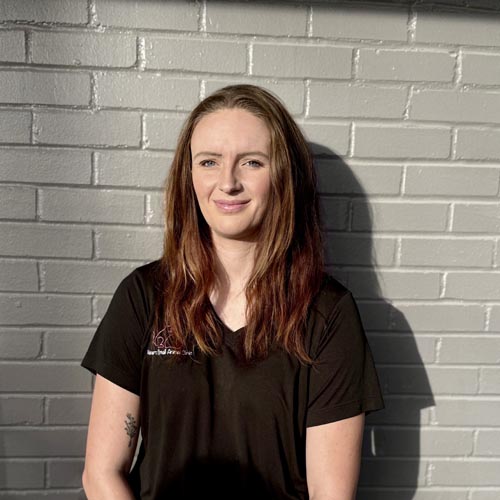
x=288 y=264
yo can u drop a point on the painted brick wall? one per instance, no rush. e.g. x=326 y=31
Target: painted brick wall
x=403 y=108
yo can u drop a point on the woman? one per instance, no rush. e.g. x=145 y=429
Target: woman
x=245 y=366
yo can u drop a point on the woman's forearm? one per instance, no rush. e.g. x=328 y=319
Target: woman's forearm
x=106 y=486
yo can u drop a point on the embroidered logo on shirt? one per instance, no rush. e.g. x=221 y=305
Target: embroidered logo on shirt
x=169 y=351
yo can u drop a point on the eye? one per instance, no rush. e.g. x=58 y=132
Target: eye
x=253 y=163
x=207 y=163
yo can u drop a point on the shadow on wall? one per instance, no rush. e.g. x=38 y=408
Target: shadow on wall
x=391 y=468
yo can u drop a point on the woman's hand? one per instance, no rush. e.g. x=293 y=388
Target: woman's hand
x=333 y=456
x=111 y=441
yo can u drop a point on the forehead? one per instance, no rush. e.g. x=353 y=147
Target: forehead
x=231 y=128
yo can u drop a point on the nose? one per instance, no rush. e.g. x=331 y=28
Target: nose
x=229 y=181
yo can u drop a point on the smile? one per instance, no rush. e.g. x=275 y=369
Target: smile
x=231 y=205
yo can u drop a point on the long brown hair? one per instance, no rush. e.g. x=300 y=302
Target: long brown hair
x=288 y=259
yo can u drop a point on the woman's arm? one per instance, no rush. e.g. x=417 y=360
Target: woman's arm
x=111 y=441
x=333 y=456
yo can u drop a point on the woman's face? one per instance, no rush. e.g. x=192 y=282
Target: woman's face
x=230 y=151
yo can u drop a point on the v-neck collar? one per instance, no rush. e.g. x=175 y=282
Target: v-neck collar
x=224 y=326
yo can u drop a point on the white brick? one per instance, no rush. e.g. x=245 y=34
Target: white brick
x=17 y=203
x=472 y=350
x=63 y=345
x=326 y=138
x=446 y=252
x=43 y=240
x=474 y=286
x=68 y=410
x=489 y=494
x=374 y=472
x=402 y=410
x=402 y=348
x=12 y=43
x=334 y=214
x=495 y=319
x=468 y=412
x=405 y=65
x=376 y=141
x=55 y=11
x=91 y=205
x=146 y=90
x=131 y=244
x=21 y=411
x=346 y=21
x=151 y=15
x=56 y=166
x=211 y=56
x=86 y=49
x=451 y=180
x=30 y=87
x=397 y=216
x=18 y=276
x=268 y=19
x=103 y=128
x=162 y=130
x=155 y=210
x=15 y=126
x=476 y=218
x=483 y=69
x=25 y=474
x=65 y=473
x=488 y=443
x=473 y=144
x=489 y=382
x=460 y=473
x=301 y=61
x=416 y=494
x=20 y=344
x=347 y=100
x=132 y=168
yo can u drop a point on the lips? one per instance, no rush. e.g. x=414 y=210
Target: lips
x=231 y=205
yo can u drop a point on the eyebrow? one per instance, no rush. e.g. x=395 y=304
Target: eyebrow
x=241 y=155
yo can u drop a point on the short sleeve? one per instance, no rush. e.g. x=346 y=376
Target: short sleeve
x=115 y=351
x=344 y=383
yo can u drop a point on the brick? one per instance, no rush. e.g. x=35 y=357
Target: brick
x=483 y=69
x=101 y=306
x=196 y=55
x=488 y=443
x=150 y=15
x=21 y=411
x=25 y=309
x=402 y=410
x=460 y=473
x=475 y=286
x=84 y=277
x=495 y=319
x=392 y=472
x=490 y=494
x=405 y=65
x=489 y=381
x=407 y=493
x=17 y=203
x=402 y=349
x=397 y=216
x=457 y=107
x=20 y=344
x=476 y=218
x=451 y=180
x=65 y=473
x=375 y=141
x=272 y=19
x=341 y=100
x=91 y=205
x=473 y=144
x=132 y=168
x=56 y=166
x=138 y=244
x=67 y=410
x=103 y=128
x=290 y=93
x=301 y=61
x=471 y=412
x=32 y=87
x=146 y=90
x=394 y=284
x=439 y=317
x=55 y=11
x=483 y=350
x=43 y=442
x=25 y=474
x=12 y=43
x=162 y=130
x=428 y=381
x=67 y=345
x=446 y=252
x=44 y=377
x=457 y=28
x=335 y=177
x=15 y=126
x=391 y=442
x=350 y=249
x=18 y=276
x=357 y=23
x=85 y=49
x=155 y=209
x=39 y=494
x=43 y=240
x=326 y=138
x=334 y=214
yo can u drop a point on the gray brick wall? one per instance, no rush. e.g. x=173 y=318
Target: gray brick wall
x=402 y=104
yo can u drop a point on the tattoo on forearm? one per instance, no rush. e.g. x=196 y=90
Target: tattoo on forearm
x=130 y=428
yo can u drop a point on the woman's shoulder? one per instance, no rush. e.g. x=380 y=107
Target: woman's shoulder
x=330 y=294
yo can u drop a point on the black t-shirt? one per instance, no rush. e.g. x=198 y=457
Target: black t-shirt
x=211 y=426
